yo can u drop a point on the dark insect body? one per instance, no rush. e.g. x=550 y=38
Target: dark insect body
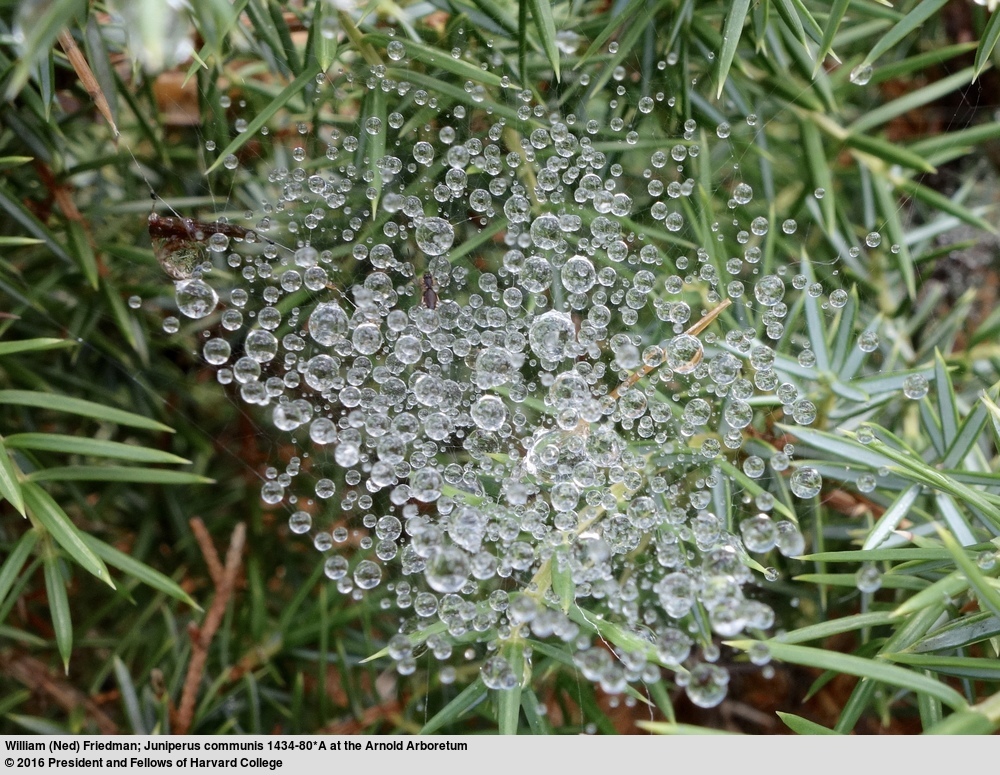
x=190 y=230
x=430 y=296
x=179 y=242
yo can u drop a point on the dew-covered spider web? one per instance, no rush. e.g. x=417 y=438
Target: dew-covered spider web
x=527 y=360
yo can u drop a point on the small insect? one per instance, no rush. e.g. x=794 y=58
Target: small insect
x=178 y=243
x=430 y=296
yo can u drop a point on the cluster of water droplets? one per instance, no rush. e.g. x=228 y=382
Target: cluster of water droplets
x=521 y=401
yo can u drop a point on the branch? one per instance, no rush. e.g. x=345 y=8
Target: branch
x=201 y=639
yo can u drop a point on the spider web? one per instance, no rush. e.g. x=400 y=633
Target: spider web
x=282 y=179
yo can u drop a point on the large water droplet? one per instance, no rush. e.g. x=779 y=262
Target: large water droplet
x=434 y=236
x=861 y=74
x=551 y=335
x=448 y=569
x=195 y=298
x=707 y=685
x=806 y=482
x=916 y=386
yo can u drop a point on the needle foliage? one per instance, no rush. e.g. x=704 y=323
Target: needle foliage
x=857 y=122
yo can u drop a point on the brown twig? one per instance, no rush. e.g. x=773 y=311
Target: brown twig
x=87 y=78
x=211 y=556
x=201 y=638
x=36 y=676
x=694 y=330
x=386 y=712
x=62 y=194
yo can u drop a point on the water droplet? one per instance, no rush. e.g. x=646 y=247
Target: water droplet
x=743 y=193
x=578 y=275
x=759 y=653
x=868 y=578
x=806 y=482
x=868 y=341
x=336 y=567
x=300 y=522
x=396 y=50
x=551 y=335
x=916 y=386
x=790 y=542
x=866 y=483
x=759 y=533
x=753 y=466
x=769 y=290
x=545 y=231
x=986 y=560
x=448 y=569
x=804 y=411
x=684 y=353
x=261 y=346
x=195 y=298
x=497 y=674
x=861 y=74
x=434 y=236
x=707 y=685
x=216 y=351
x=367 y=574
